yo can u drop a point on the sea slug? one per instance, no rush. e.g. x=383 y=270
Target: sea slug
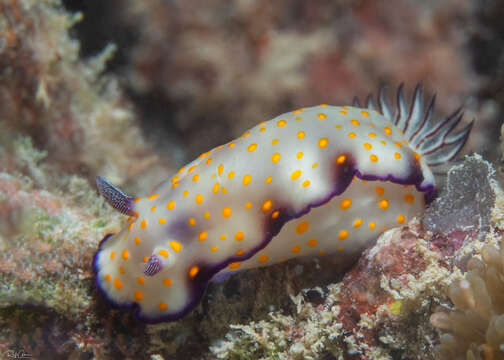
x=315 y=181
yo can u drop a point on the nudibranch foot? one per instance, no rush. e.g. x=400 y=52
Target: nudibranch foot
x=323 y=180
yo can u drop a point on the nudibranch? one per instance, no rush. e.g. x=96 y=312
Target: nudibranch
x=315 y=181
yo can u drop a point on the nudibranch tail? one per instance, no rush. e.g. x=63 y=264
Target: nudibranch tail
x=434 y=140
x=115 y=197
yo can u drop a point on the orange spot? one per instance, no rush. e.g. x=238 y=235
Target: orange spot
x=191 y=221
x=108 y=277
x=153 y=196
x=372 y=134
x=167 y=282
x=355 y=122
x=262 y=129
x=276 y=157
x=206 y=214
x=398 y=144
x=302 y=227
x=125 y=254
x=351 y=135
x=345 y=204
x=215 y=188
x=246 y=180
x=162 y=221
x=298 y=118
x=170 y=205
x=295 y=249
x=227 y=212
x=323 y=142
x=380 y=191
x=299 y=155
x=164 y=253
x=235 y=265
x=281 y=123
x=298 y=111
x=274 y=142
x=220 y=169
x=340 y=159
x=387 y=130
x=193 y=271
x=162 y=306
x=364 y=113
x=357 y=223
x=175 y=185
x=213 y=248
x=202 y=236
x=367 y=146
x=143 y=224
x=410 y=199
x=138 y=295
x=118 y=284
x=140 y=280
x=301 y=134
x=232 y=145
x=195 y=178
x=175 y=179
x=185 y=193
x=181 y=169
x=145 y=258
x=372 y=225
x=175 y=245
x=245 y=134
x=400 y=219
x=191 y=168
x=153 y=208
x=198 y=199
x=252 y=147
x=275 y=214
x=262 y=259
x=208 y=161
x=240 y=252
x=322 y=116
x=267 y=205
x=295 y=174
x=314 y=165
x=343 y=112
x=373 y=158
x=383 y=142
x=248 y=205
x=343 y=234
x=306 y=183
x=231 y=174
x=311 y=243
x=383 y=204
x=417 y=155
x=239 y=236
x=112 y=255
x=223 y=237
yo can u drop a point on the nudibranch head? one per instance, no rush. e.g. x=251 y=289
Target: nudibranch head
x=315 y=181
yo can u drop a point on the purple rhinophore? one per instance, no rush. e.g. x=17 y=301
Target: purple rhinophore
x=153 y=266
x=115 y=197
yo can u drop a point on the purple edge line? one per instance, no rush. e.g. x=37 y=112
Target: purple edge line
x=199 y=287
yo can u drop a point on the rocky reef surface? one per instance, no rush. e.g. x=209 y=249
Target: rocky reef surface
x=194 y=75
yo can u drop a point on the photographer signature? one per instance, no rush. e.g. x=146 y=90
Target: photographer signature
x=17 y=354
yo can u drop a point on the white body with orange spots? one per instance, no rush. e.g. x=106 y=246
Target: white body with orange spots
x=321 y=180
